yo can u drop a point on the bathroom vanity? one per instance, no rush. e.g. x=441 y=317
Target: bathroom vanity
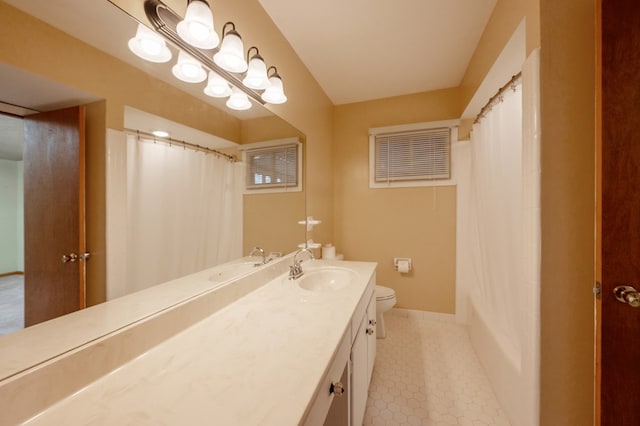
x=257 y=349
x=351 y=369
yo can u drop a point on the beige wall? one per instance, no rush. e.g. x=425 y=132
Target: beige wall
x=376 y=224
x=504 y=20
x=380 y=224
x=273 y=229
x=564 y=30
x=568 y=211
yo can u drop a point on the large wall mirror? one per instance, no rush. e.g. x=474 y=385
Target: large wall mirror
x=269 y=220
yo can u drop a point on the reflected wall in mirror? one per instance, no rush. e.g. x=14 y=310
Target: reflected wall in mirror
x=11 y=224
x=184 y=206
x=101 y=72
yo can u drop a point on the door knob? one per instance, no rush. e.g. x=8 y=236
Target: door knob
x=337 y=389
x=69 y=258
x=73 y=257
x=627 y=294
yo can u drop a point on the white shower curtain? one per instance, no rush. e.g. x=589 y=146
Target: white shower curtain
x=498 y=254
x=495 y=214
x=184 y=211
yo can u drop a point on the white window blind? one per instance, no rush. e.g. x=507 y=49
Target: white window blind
x=272 y=167
x=413 y=155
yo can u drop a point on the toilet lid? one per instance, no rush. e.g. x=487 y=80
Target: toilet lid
x=384 y=293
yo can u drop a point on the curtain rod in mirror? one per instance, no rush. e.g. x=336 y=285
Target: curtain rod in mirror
x=169 y=140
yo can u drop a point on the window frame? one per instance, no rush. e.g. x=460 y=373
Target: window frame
x=373 y=132
x=246 y=149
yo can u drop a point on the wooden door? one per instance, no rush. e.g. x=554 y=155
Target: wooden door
x=618 y=393
x=53 y=213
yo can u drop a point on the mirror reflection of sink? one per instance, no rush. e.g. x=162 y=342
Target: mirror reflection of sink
x=232 y=270
x=326 y=279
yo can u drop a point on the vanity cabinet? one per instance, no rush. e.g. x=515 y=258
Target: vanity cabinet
x=363 y=354
x=350 y=369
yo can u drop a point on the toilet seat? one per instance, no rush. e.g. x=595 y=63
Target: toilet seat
x=384 y=293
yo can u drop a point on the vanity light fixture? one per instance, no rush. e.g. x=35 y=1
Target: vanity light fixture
x=230 y=57
x=229 y=74
x=188 y=69
x=256 y=77
x=149 y=45
x=274 y=94
x=238 y=100
x=217 y=87
x=197 y=27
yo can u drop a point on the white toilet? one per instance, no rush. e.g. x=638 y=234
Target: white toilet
x=385 y=300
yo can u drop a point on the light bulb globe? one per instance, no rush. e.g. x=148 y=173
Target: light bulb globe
x=188 y=69
x=230 y=57
x=238 y=100
x=150 y=46
x=197 y=27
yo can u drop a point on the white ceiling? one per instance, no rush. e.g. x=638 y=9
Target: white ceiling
x=369 y=49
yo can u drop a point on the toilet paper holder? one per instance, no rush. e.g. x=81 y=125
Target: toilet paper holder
x=402 y=263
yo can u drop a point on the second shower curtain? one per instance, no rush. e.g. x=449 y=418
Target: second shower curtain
x=184 y=211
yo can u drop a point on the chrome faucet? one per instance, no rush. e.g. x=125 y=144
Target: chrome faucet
x=261 y=251
x=295 y=270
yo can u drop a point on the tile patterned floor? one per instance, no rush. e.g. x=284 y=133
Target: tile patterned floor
x=426 y=373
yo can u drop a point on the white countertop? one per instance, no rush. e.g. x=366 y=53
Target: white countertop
x=39 y=343
x=257 y=361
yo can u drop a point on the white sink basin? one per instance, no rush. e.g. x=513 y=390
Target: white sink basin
x=330 y=278
x=232 y=270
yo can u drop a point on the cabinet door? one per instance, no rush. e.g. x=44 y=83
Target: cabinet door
x=359 y=380
x=326 y=398
x=338 y=414
x=371 y=337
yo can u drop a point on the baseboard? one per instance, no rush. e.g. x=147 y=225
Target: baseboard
x=423 y=315
x=7 y=274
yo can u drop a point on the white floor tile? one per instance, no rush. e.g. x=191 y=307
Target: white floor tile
x=426 y=373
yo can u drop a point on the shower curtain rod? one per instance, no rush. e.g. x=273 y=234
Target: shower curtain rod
x=491 y=102
x=170 y=141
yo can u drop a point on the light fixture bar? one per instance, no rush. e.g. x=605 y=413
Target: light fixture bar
x=165 y=21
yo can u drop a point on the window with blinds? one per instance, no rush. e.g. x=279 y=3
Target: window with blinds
x=408 y=156
x=273 y=167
